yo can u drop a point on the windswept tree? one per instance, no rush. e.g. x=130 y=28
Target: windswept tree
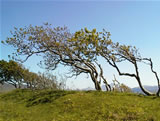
x=115 y=53
x=58 y=46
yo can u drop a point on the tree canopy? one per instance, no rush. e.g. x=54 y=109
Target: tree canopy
x=59 y=46
x=79 y=51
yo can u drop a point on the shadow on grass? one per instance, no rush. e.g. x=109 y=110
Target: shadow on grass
x=43 y=97
x=33 y=97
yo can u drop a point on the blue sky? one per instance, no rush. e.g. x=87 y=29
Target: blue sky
x=130 y=22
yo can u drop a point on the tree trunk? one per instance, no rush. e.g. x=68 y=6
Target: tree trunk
x=139 y=81
x=97 y=86
x=95 y=81
x=158 y=92
x=15 y=85
x=143 y=89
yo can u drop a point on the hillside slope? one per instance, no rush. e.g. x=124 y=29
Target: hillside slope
x=47 y=105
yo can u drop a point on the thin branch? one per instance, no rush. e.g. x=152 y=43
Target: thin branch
x=151 y=65
x=120 y=73
x=29 y=55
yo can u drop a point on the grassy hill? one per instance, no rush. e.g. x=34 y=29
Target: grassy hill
x=48 y=105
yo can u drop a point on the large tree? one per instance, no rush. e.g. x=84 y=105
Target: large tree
x=58 y=46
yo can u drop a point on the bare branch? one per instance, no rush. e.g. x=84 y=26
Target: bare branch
x=151 y=65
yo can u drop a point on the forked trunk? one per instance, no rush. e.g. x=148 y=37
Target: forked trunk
x=96 y=83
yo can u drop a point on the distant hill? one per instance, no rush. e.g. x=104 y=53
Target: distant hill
x=135 y=89
x=150 y=88
x=6 y=87
x=91 y=88
x=88 y=88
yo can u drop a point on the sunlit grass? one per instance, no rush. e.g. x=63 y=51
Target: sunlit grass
x=48 y=105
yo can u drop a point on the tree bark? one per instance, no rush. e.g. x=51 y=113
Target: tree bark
x=143 y=89
x=95 y=81
x=158 y=92
x=139 y=81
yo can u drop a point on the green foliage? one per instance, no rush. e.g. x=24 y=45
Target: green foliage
x=48 y=105
x=15 y=74
x=11 y=73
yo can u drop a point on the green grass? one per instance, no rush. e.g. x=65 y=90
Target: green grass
x=48 y=105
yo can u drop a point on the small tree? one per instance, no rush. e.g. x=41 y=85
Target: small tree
x=125 y=88
x=40 y=81
x=117 y=86
x=46 y=81
x=11 y=73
